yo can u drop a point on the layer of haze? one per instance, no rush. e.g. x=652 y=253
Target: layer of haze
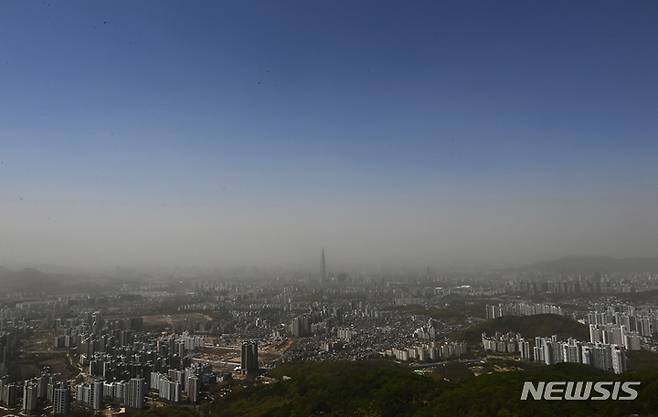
x=219 y=134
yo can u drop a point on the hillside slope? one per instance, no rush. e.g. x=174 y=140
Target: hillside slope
x=527 y=326
x=360 y=389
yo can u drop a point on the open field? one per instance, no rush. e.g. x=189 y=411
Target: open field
x=29 y=364
x=175 y=320
x=225 y=358
x=39 y=341
x=232 y=354
x=37 y=351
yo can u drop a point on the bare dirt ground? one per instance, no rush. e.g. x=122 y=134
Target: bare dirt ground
x=229 y=355
x=37 y=351
x=174 y=320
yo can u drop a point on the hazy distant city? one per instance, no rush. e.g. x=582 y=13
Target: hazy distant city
x=308 y=208
x=126 y=343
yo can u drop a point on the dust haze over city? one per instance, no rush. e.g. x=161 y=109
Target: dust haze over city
x=202 y=200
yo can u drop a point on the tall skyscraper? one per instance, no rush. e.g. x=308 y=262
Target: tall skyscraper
x=618 y=360
x=97 y=395
x=193 y=389
x=324 y=267
x=61 y=402
x=135 y=394
x=11 y=395
x=169 y=390
x=249 y=357
x=90 y=394
x=30 y=394
x=300 y=326
x=42 y=381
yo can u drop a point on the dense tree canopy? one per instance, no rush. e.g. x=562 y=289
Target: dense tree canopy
x=380 y=389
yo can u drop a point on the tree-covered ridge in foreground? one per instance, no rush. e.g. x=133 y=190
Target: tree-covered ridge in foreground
x=380 y=389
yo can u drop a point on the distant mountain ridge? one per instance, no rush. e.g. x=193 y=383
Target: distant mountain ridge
x=31 y=280
x=592 y=264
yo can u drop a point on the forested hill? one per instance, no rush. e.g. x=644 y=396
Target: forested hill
x=528 y=326
x=380 y=389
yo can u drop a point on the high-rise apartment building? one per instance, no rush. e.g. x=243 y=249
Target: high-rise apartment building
x=61 y=400
x=249 y=357
x=135 y=395
x=30 y=395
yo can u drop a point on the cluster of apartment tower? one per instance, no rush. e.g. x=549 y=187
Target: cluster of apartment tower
x=433 y=351
x=520 y=309
x=550 y=350
x=45 y=389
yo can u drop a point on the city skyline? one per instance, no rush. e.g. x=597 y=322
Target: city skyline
x=369 y=208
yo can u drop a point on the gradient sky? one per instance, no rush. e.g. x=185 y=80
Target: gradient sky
x=161 y=133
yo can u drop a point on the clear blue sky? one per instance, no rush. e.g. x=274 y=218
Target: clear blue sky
x=330 y=108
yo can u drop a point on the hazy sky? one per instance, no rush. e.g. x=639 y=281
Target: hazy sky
x=146 y=133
